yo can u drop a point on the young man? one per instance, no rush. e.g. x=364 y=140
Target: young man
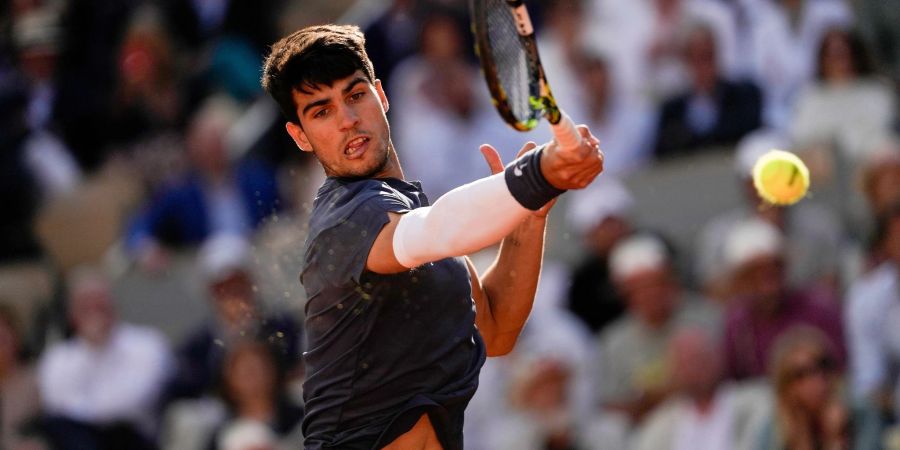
x=394 y=344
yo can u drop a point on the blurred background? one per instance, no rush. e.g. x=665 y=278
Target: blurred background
x=154 y=214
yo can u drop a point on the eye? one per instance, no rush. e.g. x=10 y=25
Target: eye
x=320 y=113
x=357 y=95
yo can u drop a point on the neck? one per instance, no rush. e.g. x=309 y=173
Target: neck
x=259 y=408
x=704 y=401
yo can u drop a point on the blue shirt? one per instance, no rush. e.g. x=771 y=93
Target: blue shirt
x=382 y=349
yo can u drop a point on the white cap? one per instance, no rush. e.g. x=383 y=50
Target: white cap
x=751 y=239
x=604 y=198
x=245 y=434
x=636 y=254
x=754 y=145
x=222 y=255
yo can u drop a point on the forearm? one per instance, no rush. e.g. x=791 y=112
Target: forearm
x=510 y=283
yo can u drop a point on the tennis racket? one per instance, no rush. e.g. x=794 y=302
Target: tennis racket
x=507 y=49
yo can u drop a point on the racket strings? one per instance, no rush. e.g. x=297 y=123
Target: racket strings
x=511 y=60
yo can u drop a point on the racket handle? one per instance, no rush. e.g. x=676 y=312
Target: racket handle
x=566 y=134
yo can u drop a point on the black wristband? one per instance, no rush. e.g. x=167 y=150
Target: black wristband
x=527 y=184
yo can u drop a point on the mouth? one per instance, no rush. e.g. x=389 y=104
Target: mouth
x=356 y=147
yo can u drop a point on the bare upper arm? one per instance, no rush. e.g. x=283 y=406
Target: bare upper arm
x=484 y=317
x=381 y=257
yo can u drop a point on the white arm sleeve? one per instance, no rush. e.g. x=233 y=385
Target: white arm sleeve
x=462 y=221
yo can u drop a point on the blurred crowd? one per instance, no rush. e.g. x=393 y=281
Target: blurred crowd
x=138 y=152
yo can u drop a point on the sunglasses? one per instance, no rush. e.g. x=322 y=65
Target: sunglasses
x=822 y=365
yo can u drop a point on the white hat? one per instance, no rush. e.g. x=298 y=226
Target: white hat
x=754 y=145
x=244 y=434
x=636 y=254
x=604 y=198
x=222 y=255
x=749 y=240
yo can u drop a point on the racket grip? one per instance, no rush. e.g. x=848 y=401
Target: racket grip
x=566 y=134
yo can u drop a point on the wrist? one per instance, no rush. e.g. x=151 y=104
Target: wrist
x=528 y=184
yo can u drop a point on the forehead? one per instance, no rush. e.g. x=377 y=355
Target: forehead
x=307 y=92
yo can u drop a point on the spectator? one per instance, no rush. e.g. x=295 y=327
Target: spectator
x=812 y=232
x=810 y=412
x=217 y=195
x=633 y=374
x=600 y=216
x=225 y=264
x=19 y=398
x=542 y=415
x=763 y=306
x=704 y=413
x=872 y=309
x=784 y=37
x=391 y=37
x=646 y=44
x=714 y=111
x=846 y=106
x=100 y=388
x=625 y=126
x=254 y=392
x=442 y=110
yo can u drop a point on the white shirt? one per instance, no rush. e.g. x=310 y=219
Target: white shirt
x=709 y=431
x=872 y=306
x=783 y=58
x=119 y=382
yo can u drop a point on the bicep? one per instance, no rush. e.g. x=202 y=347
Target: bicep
x=381 y=258
x=484 y=318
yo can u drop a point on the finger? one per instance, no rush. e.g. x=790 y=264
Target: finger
x=492 y=157
x=527 y=148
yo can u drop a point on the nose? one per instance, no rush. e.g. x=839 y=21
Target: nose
x=349 y=117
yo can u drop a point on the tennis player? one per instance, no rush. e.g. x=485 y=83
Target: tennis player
x=398 y=322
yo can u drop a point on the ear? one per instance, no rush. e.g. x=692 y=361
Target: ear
x=382 y=96
x=299 y=137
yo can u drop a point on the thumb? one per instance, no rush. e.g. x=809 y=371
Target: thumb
x=492 y=157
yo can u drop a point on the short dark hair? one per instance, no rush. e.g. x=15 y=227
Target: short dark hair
x=859 y=54
x=316 y=55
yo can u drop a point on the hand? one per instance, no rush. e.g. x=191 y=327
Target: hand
x=492 y=157
x=576 y=168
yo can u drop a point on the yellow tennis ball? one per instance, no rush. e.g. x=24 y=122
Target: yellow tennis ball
x=780 y=177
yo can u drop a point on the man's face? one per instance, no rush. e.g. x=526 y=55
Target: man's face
x=651 y=294
x=345 y=126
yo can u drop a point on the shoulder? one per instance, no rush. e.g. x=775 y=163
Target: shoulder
x=619 y=334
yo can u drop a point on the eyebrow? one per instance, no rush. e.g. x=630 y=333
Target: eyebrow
x=344 y=91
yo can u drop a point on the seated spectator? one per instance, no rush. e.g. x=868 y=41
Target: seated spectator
x=542 y=416
x=704 y=413
x=812 y=232
x=632 y=371
x=809 y=410
x=254 y=393
x=784 y=36
x=762 y=306
x=19 y=398
x=847 y=105
x=714 y=111
x=626 y=125
x=599 y=215
x=225 y=264
x=216 y=195
x=872 y=309
x=100 y=388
